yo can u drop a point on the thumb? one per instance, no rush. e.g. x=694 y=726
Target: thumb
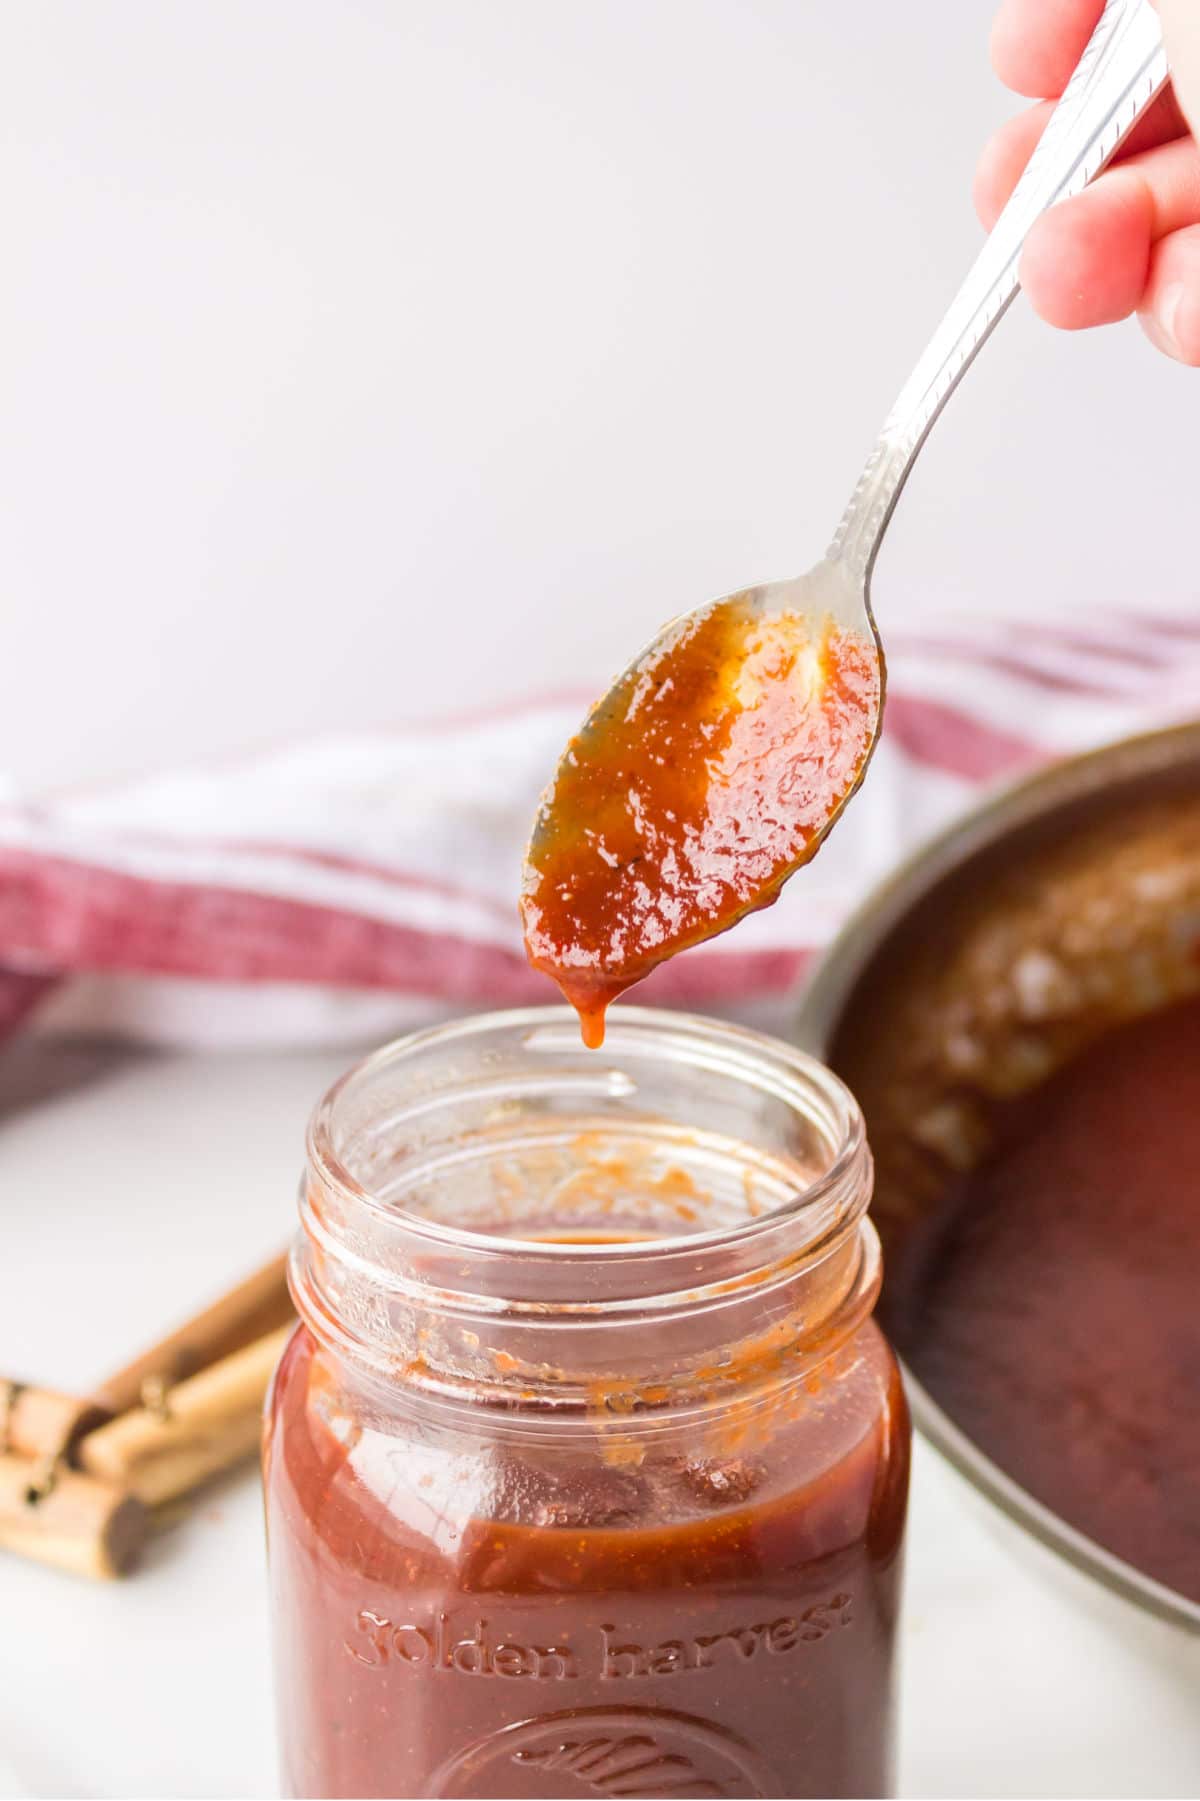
x=1181 y=30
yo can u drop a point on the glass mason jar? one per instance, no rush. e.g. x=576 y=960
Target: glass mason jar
x=587 y=1467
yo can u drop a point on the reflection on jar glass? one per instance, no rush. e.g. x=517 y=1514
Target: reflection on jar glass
x=587 y=1468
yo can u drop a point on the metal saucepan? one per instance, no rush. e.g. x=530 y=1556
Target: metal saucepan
x=1022 y=851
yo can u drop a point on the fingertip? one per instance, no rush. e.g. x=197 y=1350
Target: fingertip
x=1052 y=293
x=1003 y=160
x=998 y=45
x=1085 y=262
x=1170 y=312
x=990 y=189
x=1008 y=48
x=1186 y=331
x=1035 y=44
x=1174 y=328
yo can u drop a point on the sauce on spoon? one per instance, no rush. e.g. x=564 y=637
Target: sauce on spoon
x=704 y=778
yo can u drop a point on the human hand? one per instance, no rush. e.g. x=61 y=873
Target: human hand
x=1131 y=241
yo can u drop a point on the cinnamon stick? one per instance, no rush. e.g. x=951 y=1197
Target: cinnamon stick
x=204 y=1425
x=71 y=1521
x=255 y=1307
x=42 y=1422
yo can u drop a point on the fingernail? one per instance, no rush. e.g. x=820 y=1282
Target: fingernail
x=1161 y=323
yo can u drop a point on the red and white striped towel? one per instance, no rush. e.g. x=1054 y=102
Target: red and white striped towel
x=350 y=886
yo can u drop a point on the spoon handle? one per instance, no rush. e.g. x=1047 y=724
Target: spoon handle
x=1122 y=69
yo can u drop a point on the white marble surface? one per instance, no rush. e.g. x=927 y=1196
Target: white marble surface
x=134 y=1186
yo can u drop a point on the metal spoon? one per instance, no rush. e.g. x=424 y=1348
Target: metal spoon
x=597 y=933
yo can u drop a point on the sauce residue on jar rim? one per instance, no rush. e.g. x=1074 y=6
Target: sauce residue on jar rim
x=708 y=774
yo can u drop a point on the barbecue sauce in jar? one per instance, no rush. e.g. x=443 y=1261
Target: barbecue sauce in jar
x=587 y=1468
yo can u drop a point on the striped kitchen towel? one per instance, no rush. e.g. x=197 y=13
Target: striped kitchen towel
x=351 y=886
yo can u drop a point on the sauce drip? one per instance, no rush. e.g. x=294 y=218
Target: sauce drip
x=1054 y=1313
x=712 y=769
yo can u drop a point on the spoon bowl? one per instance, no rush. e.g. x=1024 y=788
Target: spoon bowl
x=710 y=771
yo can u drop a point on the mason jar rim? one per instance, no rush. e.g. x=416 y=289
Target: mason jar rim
x=795 y=1075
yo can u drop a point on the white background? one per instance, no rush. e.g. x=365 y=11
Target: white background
x=374 y=359
x=367 y=359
